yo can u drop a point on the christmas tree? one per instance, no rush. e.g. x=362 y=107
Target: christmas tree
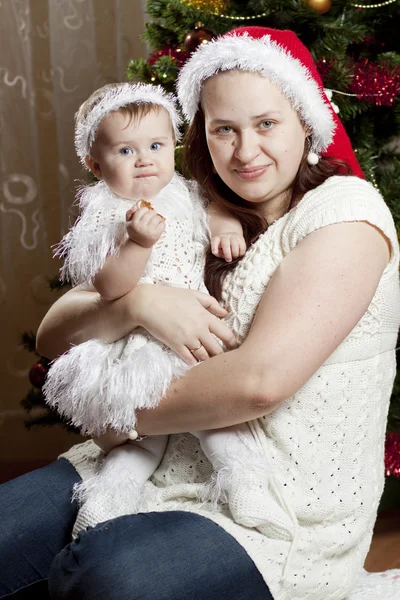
x=356 y=46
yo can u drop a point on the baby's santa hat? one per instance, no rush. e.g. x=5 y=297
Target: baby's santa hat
x=283 y=58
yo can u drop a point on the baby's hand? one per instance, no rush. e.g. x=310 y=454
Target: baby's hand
x=144 y=226
x=228 y=246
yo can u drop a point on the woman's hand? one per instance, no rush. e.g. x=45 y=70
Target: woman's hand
x=183 y=320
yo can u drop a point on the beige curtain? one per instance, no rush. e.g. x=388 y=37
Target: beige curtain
x=53 y=54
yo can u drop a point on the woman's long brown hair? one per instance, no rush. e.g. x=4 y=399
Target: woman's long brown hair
x=197 y=164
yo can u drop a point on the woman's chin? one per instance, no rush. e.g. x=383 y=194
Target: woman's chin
x=254 y=195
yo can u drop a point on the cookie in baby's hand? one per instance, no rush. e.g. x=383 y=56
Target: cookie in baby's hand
x=147 y=204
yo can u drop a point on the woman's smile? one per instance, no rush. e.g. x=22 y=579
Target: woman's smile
x=252 y=172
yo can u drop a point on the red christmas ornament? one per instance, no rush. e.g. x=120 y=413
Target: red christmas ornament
x=178 y=55
x=392 y=455
x=376 y=84
x=324 y=66
x=199 y=35
x=37 y=374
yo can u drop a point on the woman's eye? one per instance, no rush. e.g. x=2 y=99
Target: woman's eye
x=224 y=129
x=265 y=124
x=125 y=151
x=155 y=146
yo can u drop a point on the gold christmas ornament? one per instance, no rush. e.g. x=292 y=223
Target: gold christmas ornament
x=320 y=6
x=212 y=6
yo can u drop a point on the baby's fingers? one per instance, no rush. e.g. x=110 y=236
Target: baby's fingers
x=235 y=249
x=226 y=248
x=242 y=246
x=131 y=212
x=215 y=243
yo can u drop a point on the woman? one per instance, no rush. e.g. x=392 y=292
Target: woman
x=314 y=305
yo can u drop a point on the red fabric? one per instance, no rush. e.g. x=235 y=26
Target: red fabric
x=340 y=147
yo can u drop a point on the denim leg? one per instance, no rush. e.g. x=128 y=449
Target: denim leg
x=35 y=524
x=156 y=556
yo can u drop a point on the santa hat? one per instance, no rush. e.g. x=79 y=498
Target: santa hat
x=283 y=58
x=116 y=97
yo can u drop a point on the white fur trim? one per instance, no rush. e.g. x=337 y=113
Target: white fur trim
x=271 y=60
x=115 y=98
x=96 y=385
x=100 y=229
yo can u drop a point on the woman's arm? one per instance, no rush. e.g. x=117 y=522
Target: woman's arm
x=313 y=301
x=79 y=315
x=177 y=317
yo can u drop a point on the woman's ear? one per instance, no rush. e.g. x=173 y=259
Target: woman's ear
x=93 y=166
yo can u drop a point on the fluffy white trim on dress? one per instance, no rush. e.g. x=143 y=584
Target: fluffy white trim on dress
x=97 y=386
x=239 y=465
x=100 y=230
x=96 y=234
x=114 y=487
x=271 y=60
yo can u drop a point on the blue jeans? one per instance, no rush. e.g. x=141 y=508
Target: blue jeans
x=151 y=556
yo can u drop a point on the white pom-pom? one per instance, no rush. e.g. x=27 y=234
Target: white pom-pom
x=329 y=94
x=312 y=158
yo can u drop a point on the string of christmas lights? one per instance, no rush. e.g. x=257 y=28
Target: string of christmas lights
x=216 y=8
x=380 y=5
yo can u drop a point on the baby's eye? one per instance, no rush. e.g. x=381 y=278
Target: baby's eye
x=155 y=146
x=125 y=151
x=224 y=129
x=265 y=124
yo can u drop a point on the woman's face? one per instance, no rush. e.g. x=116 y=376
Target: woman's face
x=255 y=138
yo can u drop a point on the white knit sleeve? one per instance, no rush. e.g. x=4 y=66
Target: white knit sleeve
x=96 y=234
x=341 y=199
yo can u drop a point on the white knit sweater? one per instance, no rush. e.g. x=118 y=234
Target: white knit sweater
x=324 y=447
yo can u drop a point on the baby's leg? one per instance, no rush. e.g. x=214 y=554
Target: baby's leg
x=116 y=488
x=242 y=480
x=218 y=444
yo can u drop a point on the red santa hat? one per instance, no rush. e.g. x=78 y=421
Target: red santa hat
x=283 y=58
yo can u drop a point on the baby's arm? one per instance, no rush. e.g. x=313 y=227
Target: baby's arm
x=227 y=239
x=122 y=272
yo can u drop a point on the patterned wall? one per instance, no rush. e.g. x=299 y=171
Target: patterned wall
x=53 y=54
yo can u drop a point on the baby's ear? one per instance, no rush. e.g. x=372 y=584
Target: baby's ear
x=93 y=166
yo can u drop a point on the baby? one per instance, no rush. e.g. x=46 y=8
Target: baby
x=140 y=223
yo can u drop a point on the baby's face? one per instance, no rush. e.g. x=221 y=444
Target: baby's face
x=135 y=156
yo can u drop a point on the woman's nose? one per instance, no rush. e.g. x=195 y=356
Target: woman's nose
x=247 y=146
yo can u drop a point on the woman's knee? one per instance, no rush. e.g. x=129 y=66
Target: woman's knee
x=88 y=567
x=104 y=562
x=155 y=555
x=126 y=558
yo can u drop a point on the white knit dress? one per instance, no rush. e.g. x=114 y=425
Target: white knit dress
x=97 y=385
x=323 y=447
